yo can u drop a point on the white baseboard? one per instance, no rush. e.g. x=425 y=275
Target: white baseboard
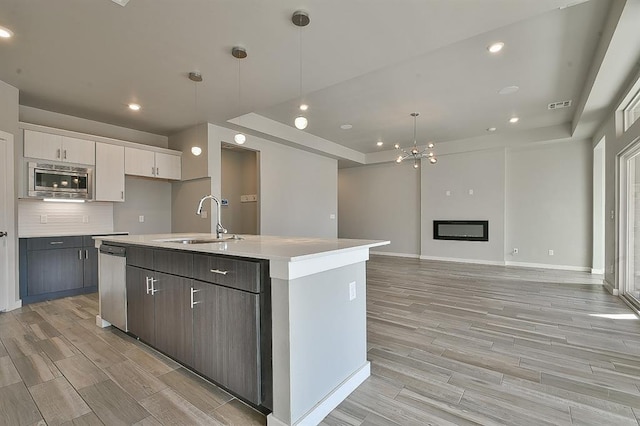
x=455 y=259
x=331 y=401
x=610 y=288
x=101 y=323
x=388 y=253
x=550 y=266
x=597 y=271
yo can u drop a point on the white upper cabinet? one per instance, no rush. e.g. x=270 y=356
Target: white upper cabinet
x=109 y=175
x=52 y=147
x=168 y=166
x=140 y=162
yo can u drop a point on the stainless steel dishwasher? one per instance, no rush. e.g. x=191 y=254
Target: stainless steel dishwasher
x=112 y=269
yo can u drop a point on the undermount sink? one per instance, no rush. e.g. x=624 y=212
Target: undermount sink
x=197 y=240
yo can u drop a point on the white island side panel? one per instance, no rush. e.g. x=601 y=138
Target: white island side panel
x=319 y=340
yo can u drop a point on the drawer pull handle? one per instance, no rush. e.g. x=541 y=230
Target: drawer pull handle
x=218 y=271
x=80 y=254
x=153 y=287
x=56 y=242
x=193 y=291
x=147 y=281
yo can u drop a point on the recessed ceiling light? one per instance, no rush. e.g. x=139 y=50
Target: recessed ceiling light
x=5 y=32
x=134 y=107
x=196 y=150
x=300 y=122
x=492 y=129
x=304 y=107
x=508 y=90
x=495 y=47
x=346 y=126
x=513 y=120
x=379 y=143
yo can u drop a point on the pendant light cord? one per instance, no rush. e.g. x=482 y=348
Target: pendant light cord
x=300 y=46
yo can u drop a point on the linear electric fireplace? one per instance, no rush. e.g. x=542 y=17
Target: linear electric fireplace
x=461 y=230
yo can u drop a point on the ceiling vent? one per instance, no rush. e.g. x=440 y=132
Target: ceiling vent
x=558 y=105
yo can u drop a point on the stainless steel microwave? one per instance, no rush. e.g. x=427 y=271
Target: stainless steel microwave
x=59 y=181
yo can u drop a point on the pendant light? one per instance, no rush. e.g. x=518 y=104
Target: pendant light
x=415 y=153
x=301 y=19
x=196 y=77
x=239 y=53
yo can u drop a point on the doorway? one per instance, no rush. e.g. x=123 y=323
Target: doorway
x=240 y=190
x=629 y=230
x=7 y=225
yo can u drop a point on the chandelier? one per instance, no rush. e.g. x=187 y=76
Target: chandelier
x=414 y=152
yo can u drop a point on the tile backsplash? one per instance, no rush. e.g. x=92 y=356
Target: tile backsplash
x=37 y=218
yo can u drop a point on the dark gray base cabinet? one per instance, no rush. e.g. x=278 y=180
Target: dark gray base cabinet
x=54 y=267
x=221 y=332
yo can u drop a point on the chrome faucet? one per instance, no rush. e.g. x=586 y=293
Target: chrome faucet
x=219 y=228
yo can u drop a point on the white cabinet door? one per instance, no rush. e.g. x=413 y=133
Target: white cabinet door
x=139 y=162
x=42 y=145
x=168 y=166
x=109 y=175
x=80 y=151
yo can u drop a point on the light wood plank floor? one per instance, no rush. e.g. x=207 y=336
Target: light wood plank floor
x=449 y=344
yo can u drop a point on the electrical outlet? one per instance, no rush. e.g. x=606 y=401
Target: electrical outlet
x=332 y=216
x=515 y=251
x=471 y=192
x=43 y=218
x=85 y=219
x=352 y=290
x=447 y=193
x=550 y=252
x=141 y=218
x=204 y=214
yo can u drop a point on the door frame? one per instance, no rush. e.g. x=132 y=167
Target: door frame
x=9 y=298
x=626 y=216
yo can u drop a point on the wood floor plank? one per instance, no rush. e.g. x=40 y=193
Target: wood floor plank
x=204 y=395
x=112 y=404
x=8 y=372
x=236 y=412
x=36 y=368
x=80 y=371
x=57 y=348
x=89 y=419
x=171 y=409
x=135 y=381
x=17 y=406
x=58 y=401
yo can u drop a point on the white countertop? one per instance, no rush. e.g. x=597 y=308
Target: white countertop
x=288 y=249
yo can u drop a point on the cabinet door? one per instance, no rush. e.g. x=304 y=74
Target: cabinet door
x=168 y=166
x=172 y=297
x=109 y=174
x=226 y=331
x=140 y=306
x=139 y=162
x=240 y=339
x=90 y=267
x=207 y=348
x=42 y=145
x=54 y=270
x=80 y=151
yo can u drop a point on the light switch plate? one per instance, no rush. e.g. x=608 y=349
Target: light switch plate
x=352 y=290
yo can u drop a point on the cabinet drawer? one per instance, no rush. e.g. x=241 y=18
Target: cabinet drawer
x=173 y=262
x=47 y=243
x=230 y=272
x=140 y=256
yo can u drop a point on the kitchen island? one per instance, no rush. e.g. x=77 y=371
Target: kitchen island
x=317 y=314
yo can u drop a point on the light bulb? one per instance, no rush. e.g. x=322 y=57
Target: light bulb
x=5 y=32
x=240 y=138
x=196 y=150
x=495 y=47
x=301 y=122
x=431 y=154
x=430 y=146
x=134 y=107
x=415 y=165
x=514 y=120
x=304 y=107
x=396 y=146
x=399 y=159
x=433 y=160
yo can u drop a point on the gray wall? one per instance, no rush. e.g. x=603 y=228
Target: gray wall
x=148 y=197
x=482 y=172
x=185 y=197
x=298 y=189
x=193 y=167
x=549 y=204
x=239 y=177
x=381 y=202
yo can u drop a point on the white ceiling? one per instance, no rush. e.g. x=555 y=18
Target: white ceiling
x=369 y=63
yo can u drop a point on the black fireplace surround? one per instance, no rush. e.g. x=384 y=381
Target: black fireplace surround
x=461 y=230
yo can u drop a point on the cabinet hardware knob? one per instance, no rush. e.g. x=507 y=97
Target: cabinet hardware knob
x=58 y=153
x=65 y=154
x=218 y=271
x=86 y=254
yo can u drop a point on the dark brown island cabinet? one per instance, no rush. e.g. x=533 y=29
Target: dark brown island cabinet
x=211 y=313
x=54 y=267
